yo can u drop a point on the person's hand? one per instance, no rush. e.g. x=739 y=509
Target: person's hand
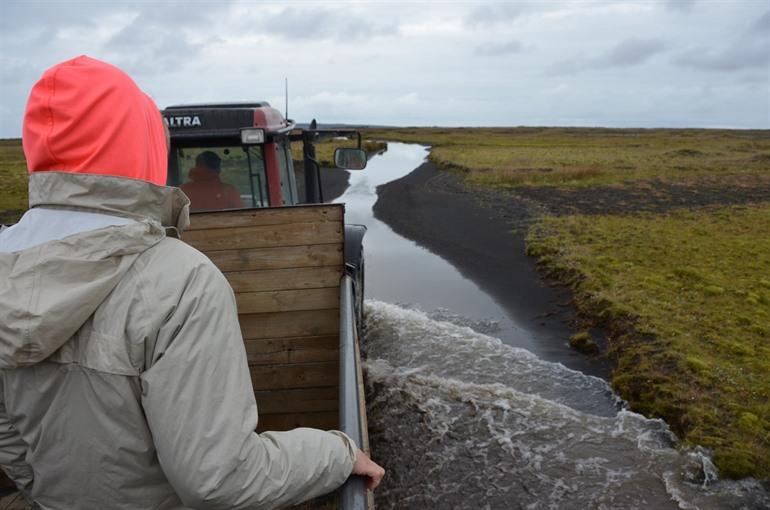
x=364 y=466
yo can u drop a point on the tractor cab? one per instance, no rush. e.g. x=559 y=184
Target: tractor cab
x=238 y=155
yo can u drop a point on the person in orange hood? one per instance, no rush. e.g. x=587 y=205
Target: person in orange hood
x=86 y=116
x=123 y=375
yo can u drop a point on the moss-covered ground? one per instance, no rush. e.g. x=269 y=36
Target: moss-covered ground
x=686 y=297
x=13 y=175
x=511 y=157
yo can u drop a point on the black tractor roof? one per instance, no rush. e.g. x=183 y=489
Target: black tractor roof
x=223 y=120
x=195 y=106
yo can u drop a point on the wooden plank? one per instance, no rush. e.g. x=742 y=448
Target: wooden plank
x=291 y=234
x=298 y=375
x=328 y=420
x=288 y=300
x=281 y=257
x=292 y=350
x=290 y=324
x=297 y=401
x=271 y=216
x=284 y=279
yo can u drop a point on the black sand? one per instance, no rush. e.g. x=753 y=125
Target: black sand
x=334 y=182
x=651 y=196
x=482 y=233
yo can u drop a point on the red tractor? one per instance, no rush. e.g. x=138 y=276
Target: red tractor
x=297 y=271
x=238 y=155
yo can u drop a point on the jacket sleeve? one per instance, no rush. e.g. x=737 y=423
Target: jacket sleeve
x=13 y=451
x=202 y=414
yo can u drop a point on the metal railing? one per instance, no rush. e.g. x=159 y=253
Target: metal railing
x=353 y=492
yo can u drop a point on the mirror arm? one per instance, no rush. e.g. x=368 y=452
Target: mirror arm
x=318 y=179
x=313 y=191
x=320 y=188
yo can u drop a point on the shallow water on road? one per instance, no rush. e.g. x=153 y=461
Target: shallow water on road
x=400 y=271
x=461 y=420
x=464 y=414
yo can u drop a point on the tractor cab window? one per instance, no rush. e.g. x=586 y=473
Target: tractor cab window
x=217 y=178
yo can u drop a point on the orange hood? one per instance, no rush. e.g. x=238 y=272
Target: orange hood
x=87 y=116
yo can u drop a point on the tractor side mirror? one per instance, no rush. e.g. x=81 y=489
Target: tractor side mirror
x=350 y=159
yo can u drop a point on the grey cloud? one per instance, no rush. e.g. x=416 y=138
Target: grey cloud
x=16 y=71
x=737 y=56
x=141 y=48
x=566 y=67
x=722 y=45
x=495 y=13
x=631 y=52
x=184 y=14
x=319 y=23
x=757 y=78
x=146 y=45
x=34 y=29
x=496 y=49
x=750 y=50
x=762 y=25
x=628 y=53
x=20 y=16
x=680 y=5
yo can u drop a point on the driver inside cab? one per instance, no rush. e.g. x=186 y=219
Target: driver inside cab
x=205 y=190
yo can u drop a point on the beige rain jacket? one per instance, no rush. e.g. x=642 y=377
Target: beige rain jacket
x=123 y=375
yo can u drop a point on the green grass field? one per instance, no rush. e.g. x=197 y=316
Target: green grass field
x=686 y=296
x=510 y=157
x=13 y=173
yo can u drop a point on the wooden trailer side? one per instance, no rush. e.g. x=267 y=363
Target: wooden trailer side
x=284 y=265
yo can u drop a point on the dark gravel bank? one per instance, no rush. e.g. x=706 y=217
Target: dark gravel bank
x=482 y=233
x=334 y=182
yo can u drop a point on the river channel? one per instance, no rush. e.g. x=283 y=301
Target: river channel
x=464 y=412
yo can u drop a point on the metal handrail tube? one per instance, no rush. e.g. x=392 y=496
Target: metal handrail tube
x=353 y=492
x=290 y=126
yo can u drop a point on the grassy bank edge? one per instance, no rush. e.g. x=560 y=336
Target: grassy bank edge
x=653 y=374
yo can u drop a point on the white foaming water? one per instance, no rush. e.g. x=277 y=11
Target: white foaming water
x=462 y=420
x=459 y=352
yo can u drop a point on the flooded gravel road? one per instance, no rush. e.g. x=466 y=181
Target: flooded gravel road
x=464 y=412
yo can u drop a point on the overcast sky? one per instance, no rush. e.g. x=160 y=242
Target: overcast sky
x=645 y=63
